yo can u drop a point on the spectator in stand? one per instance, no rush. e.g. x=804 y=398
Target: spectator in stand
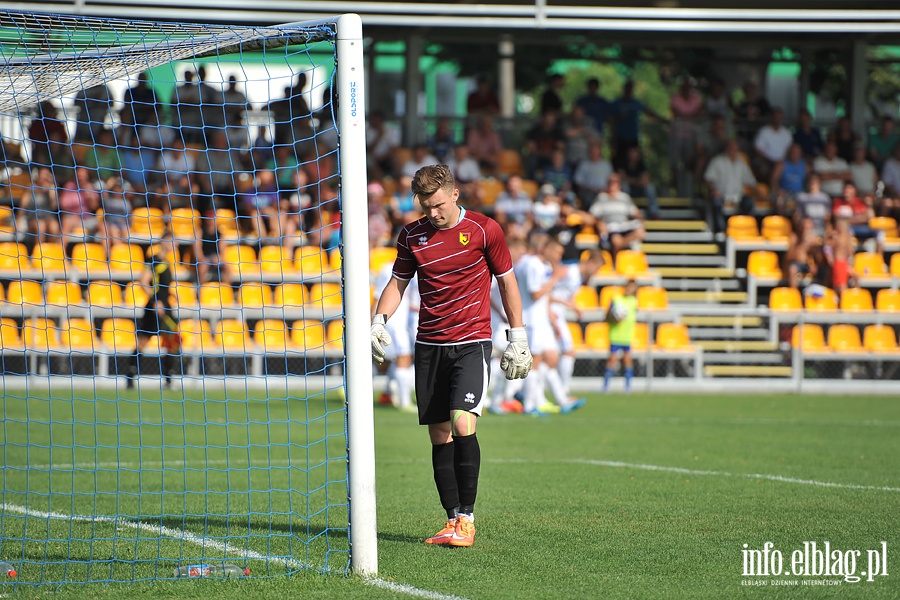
x=807 y=136
x=140 y=104
x=103 y=156
x=546 y=209
x=442 y=143
x=187 y=109
x=865 y=176
x=771 y=146
x=551 y=101
x=62 y=160
x=883 y=142
x=482 y=100
x=832 y=170
x=799 y=262
x=38 y=211
x=485 y=145
x=726 y=177
x=262 y=150
x=710 y=143
x=790 y=176
x=618 y=219
x=717 y=103
x=845 y=138
x=114 y=199
x=558 y=173
x=626 y=113
x=814 y=205
x=381 y=141
x=236 y=109
x=420 y=158
x=750 y=114
x=286 y=163
x=592 y=175
x=467 y=173
x=403 y=205
x=579 y=132
x=78 y=203
x=513 y=208
x=839 y=251
x=890 y=174
x=686 y=106
x=214 y=169
x=636 y=180
x=176 y=163
x=857 y=211
x=92 y=106
x=380 y=228
x=540 y=142
x=595 y=106
x=44 y=127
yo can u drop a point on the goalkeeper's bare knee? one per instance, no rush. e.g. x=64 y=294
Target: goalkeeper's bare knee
x=463 y=422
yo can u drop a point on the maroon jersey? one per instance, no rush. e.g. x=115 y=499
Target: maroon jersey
x=454 y=267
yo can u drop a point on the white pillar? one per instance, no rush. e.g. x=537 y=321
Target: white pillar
x=506 y=76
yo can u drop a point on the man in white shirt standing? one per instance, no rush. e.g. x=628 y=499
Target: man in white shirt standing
x=772 y=144
x=726 y=176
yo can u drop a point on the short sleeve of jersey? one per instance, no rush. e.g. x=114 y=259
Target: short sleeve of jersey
x=405 y=264
x=496 y=251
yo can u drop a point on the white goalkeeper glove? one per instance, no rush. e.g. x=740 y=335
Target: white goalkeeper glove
x=517 y=360
x=380 y=339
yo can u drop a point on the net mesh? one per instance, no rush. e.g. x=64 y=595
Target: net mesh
x=172 y=332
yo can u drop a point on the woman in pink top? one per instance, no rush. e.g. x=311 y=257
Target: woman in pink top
x=687 y=107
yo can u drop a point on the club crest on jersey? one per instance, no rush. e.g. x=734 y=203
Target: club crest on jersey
x=423 y=240
x=464 y=238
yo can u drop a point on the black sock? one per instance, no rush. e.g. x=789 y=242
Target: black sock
x=467 y=463
x=445 y=477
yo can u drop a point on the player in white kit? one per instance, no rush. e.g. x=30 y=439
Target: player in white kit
x=501 y=397
x=401 y=375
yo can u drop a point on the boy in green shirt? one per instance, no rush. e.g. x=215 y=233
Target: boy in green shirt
x=620 y=335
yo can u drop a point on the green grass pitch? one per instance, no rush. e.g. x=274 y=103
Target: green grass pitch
x=642 y=496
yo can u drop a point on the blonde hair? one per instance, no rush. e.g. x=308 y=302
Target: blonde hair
x=428 y=180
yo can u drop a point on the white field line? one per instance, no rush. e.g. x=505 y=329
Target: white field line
x=203 y=542
x=749 y=421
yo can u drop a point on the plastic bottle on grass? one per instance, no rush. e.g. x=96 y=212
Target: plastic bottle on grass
x=211 y=570
x=7 y=569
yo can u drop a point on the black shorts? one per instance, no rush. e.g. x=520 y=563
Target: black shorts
x=152 y=324
x=451 y=378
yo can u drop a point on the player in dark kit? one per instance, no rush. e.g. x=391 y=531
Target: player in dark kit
x=454 y=253
x=159 y=316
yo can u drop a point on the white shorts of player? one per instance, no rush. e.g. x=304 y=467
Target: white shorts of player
x=541 y=337
x=564 y=337
x=401 y=342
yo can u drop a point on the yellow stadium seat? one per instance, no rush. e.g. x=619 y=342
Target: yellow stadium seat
x=587 y=237
x=90 y=258
x=63 y=293
x=185 y=223
x=7 y=220
x=334 y=335
x=381 y=256
x=226 y=224
x=844 y=338
x=888 y=300
x=673 y=337
x=764 y=263
x=596 y=335
x=77 y=334
x=335 y=260
x=14 y=257
x=271 y=335
x=255 y=295
x=326 y=294
x=489 y=190
x=652 y=298
x=232 y=335
x=813 y=338
x=880 y=339
x=311 y=261
x=577 y=335
x=828 y=301
x=869 y=265
x=184 y=294
x=216 y=296
x=242 y=259
x=118 y=334
x=895 y=264
x=640 y=339
x=135 y=295
x=776 y=228
x=742 y=228
x=886 y=224
x=308 y=335
x=148 y=222
x=127 y=257
x=196 y=335
x=289 y=295
x=27 y=292
x=49 y=257
x=104 y=293
x=9 y=335
x=856 y=300
x=630 y=263
x=275 y=259
x=608 y=293
x=530 y=187
x=40 y=334
x=785 y=298
x=586 y=298
x=609 y=267
x=510 y=162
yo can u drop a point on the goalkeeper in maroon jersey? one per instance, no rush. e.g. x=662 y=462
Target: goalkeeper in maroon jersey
x=454 y=253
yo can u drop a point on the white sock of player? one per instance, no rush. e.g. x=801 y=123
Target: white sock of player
x=406 y=377
x=554 y=382
x=534 y=388
x=511 y=388
x=566 y=368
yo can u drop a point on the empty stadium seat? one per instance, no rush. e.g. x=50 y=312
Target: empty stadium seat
x=869 y=265
x=185 y=223
x=40 y=334
x=335 y=260
x=742 y=228
x=119 y=335
x=127 y=257
x=27 y=292
x=334 y=335
x=308 y=335
x=489 y=190
x=63 y=293
x=813 y=338
x=196 y=335
x=242 y=259
x=135 y=295
x=587 y=237
x=596 y=336
x=530 y=187
x=785 y=298
x=184 y=294
x=880 y=339
x=14 y=257
x=255 y=295
x=289 y=295
x=216 y=296
x=271 y=335
x=77 y=335
x=10 y=338
x=226 y=224
x=895 y=264
x=886 y=224
x=577 y=335
x=49 y=257
x=630 y=263
x=510 y=162
x=652 y=298
x=827 y=301
x=844 y=338
x=856 y=300
x=147 y=223
x=311 y=261
x=609 y=267
x=90 y=258
x=326 y=294
x=640 y=340
x=608 y=293
x=888 y=300
x=764 y=264
x=586 y=298
x=232 y=336
x=673 y=337
x=380 y=256
x=275 y=259
x=104 y=293
x=776 y=228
